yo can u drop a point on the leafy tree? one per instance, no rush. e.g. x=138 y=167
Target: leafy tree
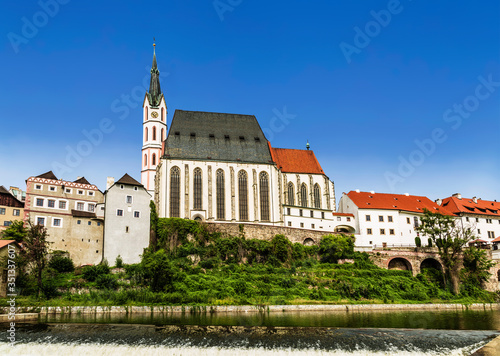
x=153 y=225
x=119 y=262
x=334 y=247
x=476 y=267
x=16 y=231
x=282 y=247
x=157 y=269
x=35 y=250
x=62 y=264
x=449 y=238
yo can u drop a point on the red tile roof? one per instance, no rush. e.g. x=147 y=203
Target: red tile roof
x=4 y=243
x=403 y=202
x=465 y=205
x=343 y=214
x=496 y=240
x=295 y=161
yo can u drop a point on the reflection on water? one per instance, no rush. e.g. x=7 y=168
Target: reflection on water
x=436 y=319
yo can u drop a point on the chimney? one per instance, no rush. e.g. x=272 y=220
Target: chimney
x=357 y=190
x=372 y=191
x=474 y=199
x=458 y=196
x=407 y=194
x=438 y=201
x=109 y=182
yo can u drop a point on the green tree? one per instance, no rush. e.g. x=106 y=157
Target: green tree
x=157 y=269
x=16 y=231
x=282 y=247
x=153 y=226
x=35 y=250
x=334 y=247
x=476 y=267
x=450 y=239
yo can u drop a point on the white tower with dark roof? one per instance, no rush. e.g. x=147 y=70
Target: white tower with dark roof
x=154 y=128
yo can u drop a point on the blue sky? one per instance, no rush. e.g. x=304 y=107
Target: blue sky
x=393 y=96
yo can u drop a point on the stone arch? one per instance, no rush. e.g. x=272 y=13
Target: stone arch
x=308 y=242
x=346 y=229
x=498 y=275
x=400 y=263
x=198 y=217
x=431 y=263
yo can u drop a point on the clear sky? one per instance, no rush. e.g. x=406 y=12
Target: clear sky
x=393 y=96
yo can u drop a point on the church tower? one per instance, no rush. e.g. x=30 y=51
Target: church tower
x=154 y=127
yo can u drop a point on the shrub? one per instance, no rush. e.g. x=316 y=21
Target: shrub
x=119 y=262
x=90 y=273
x=62 y=264
x=418 y=241
x=106 y=281
x=334 y=247
x=282 y=247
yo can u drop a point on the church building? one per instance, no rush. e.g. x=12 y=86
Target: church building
x=220 y=167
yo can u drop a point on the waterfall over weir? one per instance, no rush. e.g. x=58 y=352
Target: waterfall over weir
x=125 y=339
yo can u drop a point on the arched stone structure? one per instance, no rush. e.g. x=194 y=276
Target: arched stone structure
x=308 y=242
x=346 y=229
x=400 y=263
x=431 y=263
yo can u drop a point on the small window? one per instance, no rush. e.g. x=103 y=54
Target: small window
x=489 y=221
x=257 y=139
x=51 y=203
x=98 y=223
x=288 y=211
x=382 y=231
x=96 y=251
x=300 y=212
x=192 y=134
x=368 y=231
x=312 y=226
x=391 y=231
x=467 y=218
x=212 y=136
x=348 y=218
x=91 y=193
x=80 y=206
x=389 y=218
x=121 y=186
x=16 y=212
x=90 y=223
x=368 y=218
x=322 y=215
x=129 y=199
x=126 y=229
x=242 y=138
x=68 y=190
x=381 y=218
x=177 y=133
x=339 y=218
x=38 y=186
x=7 y=223
x=301 y=224
x=477 y=219
x=137 y=214
x=52 y=189
x=135 y=188
x=2 y=211
x=312 y=214
x=408 y=221
x=39 y=202
x=289 y=223
x=80 y=192
x=479 y=231
x=41 y=221
x=57 y=222
x=119 y=212
x=62 y=205
x=79 y=222
x=226 y=137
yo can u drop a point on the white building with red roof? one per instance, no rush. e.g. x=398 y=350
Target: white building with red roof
x=482 y=216
x=386 y=220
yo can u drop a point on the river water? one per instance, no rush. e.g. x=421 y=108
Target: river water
x=259 y=333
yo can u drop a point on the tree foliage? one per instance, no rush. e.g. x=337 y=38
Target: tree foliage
x=334 y=247
x=476 y=267
x=157 y=270
x=450 y=240
x=16 y=231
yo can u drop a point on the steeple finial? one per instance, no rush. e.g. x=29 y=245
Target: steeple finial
x=308 y=145
x=154 y=93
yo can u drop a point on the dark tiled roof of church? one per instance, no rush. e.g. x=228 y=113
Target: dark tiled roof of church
x=216 y=136
x=47 y=175
x=296 y=161
x=81 y=180
x=126 y=179
x=3 y=190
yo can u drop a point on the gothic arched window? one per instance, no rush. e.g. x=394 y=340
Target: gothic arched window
x=197 y=189
x=162 y=114
x=243 y=194
x=264 y=196
x=162 y=134
x=147 y=113
x=175 y=192
x=153 y=160
x=303 y=195
x=145 y=160
x=221 y=211
x=154 y=133
x=317 y=196
x=146 y=134
x=291 y=194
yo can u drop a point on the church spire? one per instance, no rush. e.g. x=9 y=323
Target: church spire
x=154 y=93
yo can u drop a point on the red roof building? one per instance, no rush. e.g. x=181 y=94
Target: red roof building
x=295 y=161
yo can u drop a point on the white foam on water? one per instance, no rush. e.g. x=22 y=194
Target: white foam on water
x=56 y=349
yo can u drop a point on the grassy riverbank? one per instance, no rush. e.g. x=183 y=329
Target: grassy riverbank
x=188 y=265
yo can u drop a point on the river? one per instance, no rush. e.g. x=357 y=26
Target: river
x=259 y=333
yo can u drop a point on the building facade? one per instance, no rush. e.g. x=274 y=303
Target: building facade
x=386 y=220
x=481 y=216
x=72 y=212
x=127 y=220
x=11 y=209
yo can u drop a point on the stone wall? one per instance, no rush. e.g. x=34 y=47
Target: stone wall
x=267 y=232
